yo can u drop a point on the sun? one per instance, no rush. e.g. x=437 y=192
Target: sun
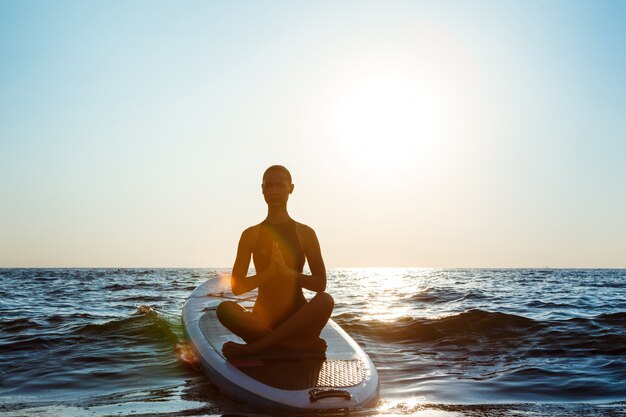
x=387 y=120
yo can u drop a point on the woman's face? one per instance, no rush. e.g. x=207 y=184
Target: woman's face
x=276 y=188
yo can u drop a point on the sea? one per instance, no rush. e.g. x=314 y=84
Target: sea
x=446 y=342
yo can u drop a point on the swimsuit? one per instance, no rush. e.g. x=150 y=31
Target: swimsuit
x=287 y=238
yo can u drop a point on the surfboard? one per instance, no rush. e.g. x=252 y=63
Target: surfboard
x=343 y=377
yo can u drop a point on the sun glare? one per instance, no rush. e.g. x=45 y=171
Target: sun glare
x=402 y=107
x=387 y=120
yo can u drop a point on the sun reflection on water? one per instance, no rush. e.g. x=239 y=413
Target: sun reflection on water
x=411 y=407
x=385 y=286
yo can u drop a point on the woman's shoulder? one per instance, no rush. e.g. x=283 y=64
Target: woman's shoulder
x=303 y=227
x=251 y=233
x=306 y=234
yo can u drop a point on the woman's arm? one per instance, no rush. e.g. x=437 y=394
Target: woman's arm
x=240 y=282
x=311 y=246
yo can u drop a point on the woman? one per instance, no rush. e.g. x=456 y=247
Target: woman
x=279 y=247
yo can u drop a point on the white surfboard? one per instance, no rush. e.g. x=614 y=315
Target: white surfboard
x=344 y=377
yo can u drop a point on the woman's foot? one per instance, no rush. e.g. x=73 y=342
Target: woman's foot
x=236 y=350
x=314 y=344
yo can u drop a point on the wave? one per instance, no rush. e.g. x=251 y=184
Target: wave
x=613 y=318
x=130 y=286
x=602 y=334
x=444 y=295
x=144 y=298
x=144 y=325
x=411 y=329
x=19 y=325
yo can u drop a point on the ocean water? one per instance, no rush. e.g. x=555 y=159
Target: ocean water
x=446 y=342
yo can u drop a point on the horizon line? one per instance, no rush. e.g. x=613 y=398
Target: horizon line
x=328 y=268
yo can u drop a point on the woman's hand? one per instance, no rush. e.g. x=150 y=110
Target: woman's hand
x=270 y=273
x=278 y=261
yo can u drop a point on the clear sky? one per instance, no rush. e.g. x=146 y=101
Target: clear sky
x=418 y=133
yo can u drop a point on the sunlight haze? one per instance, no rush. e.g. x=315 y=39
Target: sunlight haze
x=418 y=134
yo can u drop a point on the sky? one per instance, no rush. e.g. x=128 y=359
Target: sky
x=418 y=133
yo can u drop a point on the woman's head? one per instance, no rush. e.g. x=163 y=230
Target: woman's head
x=278 y=168
x=276 y=185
